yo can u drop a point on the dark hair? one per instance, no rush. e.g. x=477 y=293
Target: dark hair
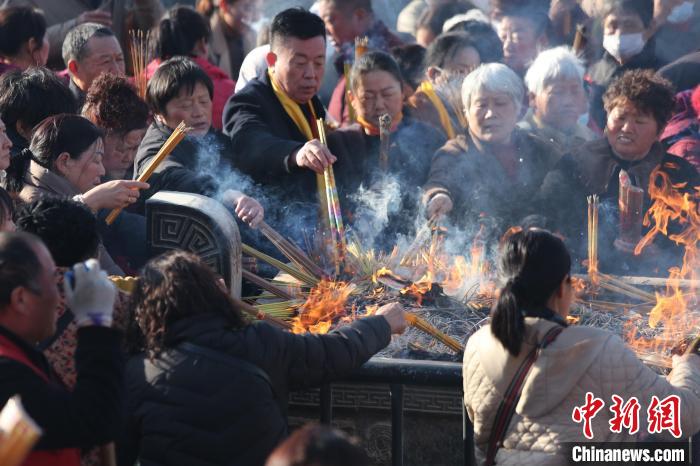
x=351 y=5
x=643 y=8
x=75 y=43
x=374 y=61
x=484 y=37
x=112 y=104
x=445 y=47
x=170 y=77
x=318 y=445
x=17 y=25
x=433 y=18
x=295 y=22
x=174 y=286
x=7 y=206
x=179 y=31
x=53 y=136
x=19 y=264
x=67 y=228
x=644 y=89
x=31 y=95
x=410 y=58
x=532 y=265
x=537 y=11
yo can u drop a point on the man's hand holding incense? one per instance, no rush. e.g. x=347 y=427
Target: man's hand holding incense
x=115 y=194
x=247 y=209
x=313 y=155
x=438 y=205
x=395 y=316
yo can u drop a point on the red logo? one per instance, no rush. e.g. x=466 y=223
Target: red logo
x=626 y=415
x=665 y=415
x=587 y=412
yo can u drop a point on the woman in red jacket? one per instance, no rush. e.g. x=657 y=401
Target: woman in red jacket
x=183 y=31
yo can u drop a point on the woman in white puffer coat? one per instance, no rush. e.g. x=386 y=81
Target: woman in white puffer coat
x=535 y=299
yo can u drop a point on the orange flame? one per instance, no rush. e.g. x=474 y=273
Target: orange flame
x=326 y=303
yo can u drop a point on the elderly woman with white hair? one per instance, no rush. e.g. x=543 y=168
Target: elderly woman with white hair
x=557 y=99
x=495 y=168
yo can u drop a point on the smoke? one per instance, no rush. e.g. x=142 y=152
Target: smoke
x=374 y=206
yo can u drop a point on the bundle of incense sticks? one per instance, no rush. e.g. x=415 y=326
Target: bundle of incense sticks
x=178 y=135
x=384 y=140
x=422 y=325
x=292 y=270
x=346 y=73
x=337 y=230
x=291 y=251
x=138 y=44
x=361 y=44
x=18 y=433
x=265 y=285
x=593 y=204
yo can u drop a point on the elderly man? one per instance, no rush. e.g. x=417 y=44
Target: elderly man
x=88 y=415
x=346 y=20
x=272 y=121
x=64 y=15
x=523 y=29
x=557 y=99
x=492 y=171
x=88 y=51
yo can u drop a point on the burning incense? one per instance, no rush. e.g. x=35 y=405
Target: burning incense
x=178 y=135
x=337 y=229
x=291 y=251
x=630 y=203
x=138 y=47
x=18 y=433
x=257 y=314
x=384 y=140
x=593 y=205
x=422 y=325
x=346 y=73
x=580 y=40
x=361 y=44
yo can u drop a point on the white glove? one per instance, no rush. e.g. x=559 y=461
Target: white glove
x=90 y=294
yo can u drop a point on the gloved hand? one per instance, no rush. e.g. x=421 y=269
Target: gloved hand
x=89 y=294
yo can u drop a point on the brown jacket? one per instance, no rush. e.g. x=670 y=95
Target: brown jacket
x=478 y=184
x=581 y=359
x=40 y=182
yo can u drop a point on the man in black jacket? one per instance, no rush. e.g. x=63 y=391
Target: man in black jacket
x=272 y=121
x=90 y=414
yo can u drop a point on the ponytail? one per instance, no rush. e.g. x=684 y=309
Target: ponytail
x=507 y=321
x=533 y=264
x=178 y=33
x=19 y=165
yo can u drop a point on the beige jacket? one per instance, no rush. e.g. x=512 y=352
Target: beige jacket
x=219 y=46
x=40 y=182
x=581 y=359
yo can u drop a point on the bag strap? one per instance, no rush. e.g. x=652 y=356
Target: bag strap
x=506 y=408
x=227 y=359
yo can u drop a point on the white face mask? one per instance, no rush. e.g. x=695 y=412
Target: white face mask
x=623 y=46
x=681 y=13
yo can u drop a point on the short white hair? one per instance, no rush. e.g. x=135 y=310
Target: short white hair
x=472 y=15
x=552 y=64
x=493 y=77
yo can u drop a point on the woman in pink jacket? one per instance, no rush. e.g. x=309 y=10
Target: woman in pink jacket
x=532 y=383
x=184 y=32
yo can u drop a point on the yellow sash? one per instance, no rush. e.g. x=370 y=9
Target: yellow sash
x=445 y=121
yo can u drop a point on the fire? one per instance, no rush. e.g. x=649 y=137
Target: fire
x=671 y=312
x=325 y=304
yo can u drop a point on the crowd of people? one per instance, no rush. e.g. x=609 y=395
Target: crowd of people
x=484 y=114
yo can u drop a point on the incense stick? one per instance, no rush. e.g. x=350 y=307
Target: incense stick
x=422 y=325
x=346 y=73
x=593 y=205
x=18 y=433
x=178 y=135
x=291 y=251
x=257 y=314
x=264 y=284
x=138 y=47
x=361 y=44
x=384 y=140
x=291 y=270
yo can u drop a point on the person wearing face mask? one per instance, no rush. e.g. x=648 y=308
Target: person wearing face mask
x=181 y=91
x=437 y=101
x=493 y=169
x=628 y=43
x=639 y=105
x=64 y=159
x=376 y=90
x=23 y=40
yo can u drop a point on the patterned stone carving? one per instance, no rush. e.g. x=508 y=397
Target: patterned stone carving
x=197 y=224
